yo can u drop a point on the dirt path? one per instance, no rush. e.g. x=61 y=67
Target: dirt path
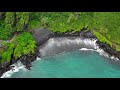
x=3 y=41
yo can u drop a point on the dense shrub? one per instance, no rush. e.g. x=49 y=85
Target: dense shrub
x=23 y=44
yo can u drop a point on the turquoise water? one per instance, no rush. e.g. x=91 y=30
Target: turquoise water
x=77 y=64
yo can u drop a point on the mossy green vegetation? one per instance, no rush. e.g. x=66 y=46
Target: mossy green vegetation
x=104 y=25
x=23 y=44
x=102 y=38
x=22 y=19
x=61 y=22
x=13 y=22
x=7 y=52
x=108 y=25
x=4 y=33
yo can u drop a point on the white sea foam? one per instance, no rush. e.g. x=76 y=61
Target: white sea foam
x=86 y=49
x=16 y=67
x=58 y=45
x=91 y=43
x=97 y=49
x=38 y=58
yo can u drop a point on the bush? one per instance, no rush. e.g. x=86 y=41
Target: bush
x=25 y=44
x=7 y=52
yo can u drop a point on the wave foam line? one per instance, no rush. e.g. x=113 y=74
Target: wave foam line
x=97 y=49
x=16 y=67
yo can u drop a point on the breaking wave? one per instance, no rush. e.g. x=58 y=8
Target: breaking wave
x=65 y=44
x=59 y=45
x=15 y=68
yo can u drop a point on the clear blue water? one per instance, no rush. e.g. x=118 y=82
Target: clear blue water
x=77 y=64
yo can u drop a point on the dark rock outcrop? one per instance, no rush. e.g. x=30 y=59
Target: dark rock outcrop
x=28 y=59
x=25 y=59
x=67 y=34
x=111 y=51
x=42 y=35
x=4 y=67
x=87 y=34
x=83 y=34
x=108 y=49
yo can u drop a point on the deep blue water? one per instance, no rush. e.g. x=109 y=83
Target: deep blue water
x=77 y=64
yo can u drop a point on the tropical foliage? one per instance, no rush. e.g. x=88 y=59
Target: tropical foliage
x=23 y=44
x=104 y=25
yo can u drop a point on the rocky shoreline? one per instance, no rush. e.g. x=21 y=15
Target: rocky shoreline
x=42 y=35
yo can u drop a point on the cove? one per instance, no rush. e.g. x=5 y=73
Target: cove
x=77 y=64
x=69 y=57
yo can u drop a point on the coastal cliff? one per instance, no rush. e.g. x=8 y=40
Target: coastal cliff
x=31 y=30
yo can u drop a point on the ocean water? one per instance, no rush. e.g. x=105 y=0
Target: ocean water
x=69 y=57
x=75 y=64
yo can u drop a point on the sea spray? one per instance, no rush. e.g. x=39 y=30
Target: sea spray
x=60 y=45
x=38 y=58
x=100 y=51
x=65 y=44
x=16 y=67
x=76 y=64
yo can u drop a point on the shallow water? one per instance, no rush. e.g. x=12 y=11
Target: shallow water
x=76 y=64
x=69 y=57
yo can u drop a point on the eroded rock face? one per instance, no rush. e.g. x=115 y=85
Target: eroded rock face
x=83 y=34
x=4 y=67
x=67 y=34
x=25 y=59
x=42 y=35
x=88 y=34
x=108 y=49
x=28 y=59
